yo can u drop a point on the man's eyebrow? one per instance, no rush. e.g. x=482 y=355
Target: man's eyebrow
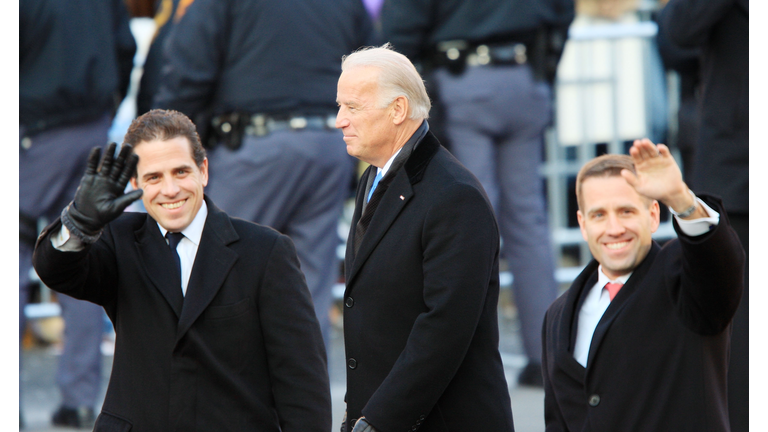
x=150 y=174
x=595 y=210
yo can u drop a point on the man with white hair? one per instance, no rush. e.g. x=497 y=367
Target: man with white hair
x=422 y=265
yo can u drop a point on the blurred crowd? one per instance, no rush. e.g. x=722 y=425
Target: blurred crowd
x=259 y=81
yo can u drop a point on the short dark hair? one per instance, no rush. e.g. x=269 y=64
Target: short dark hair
x=163 y=125
x=607 y=165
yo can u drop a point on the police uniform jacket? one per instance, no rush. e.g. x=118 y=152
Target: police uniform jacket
x=720 y=28
x=277 y=57
x=60 y=86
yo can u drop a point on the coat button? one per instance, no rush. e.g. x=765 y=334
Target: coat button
x=349 y=302
x=594 y=400
x=352 y=363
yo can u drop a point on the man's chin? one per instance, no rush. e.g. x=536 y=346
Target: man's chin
x=617 y=269
x=174 y=225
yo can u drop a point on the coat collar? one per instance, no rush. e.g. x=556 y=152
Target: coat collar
x=575 y=295
x=213 y=262
x=398 y=194
x=620 y=302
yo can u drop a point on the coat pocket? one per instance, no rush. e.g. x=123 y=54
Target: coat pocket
x=227 y=311
x=107 y=422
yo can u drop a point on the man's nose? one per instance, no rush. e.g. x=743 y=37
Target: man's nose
x=169 y=187
x=341 y=121
x=614 y=225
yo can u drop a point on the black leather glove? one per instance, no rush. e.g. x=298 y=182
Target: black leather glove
x=99 y=198
x=362 y=425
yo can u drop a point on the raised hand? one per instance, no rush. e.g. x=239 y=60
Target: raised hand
x=99 y=198
x=657 y=175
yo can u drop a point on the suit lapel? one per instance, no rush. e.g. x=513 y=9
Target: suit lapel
x=398 y=194
x=568 y=321
x=349 y=255
x=156 y=258
x=213 y=262
x=392 y=203
x=620 y=301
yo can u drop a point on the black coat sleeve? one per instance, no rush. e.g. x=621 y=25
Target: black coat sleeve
x=688 y=22
x=90 y=274
x=294 y=344
x=708 y=275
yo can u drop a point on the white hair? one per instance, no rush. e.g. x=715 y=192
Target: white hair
x=397 y=77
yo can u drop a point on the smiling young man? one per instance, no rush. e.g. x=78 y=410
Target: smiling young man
x=640 y=341
x=215 y=325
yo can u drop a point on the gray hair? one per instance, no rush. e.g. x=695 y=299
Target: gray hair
x=398 y=77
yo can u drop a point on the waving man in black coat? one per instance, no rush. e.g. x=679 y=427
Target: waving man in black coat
x=215 y=325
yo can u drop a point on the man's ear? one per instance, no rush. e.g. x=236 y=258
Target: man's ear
x=580 y=218
x=134 y=183
x=399 y=110
x=655 y=215
x=204 y=172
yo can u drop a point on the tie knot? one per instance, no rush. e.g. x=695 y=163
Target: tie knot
x=174 y=238
x=375 y=183
x=613 y=288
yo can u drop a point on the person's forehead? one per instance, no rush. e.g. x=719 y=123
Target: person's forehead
x=160 y=151
x=608 y=190
x=359 y=80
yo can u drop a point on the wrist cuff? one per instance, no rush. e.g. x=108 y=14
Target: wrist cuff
x=75 y=230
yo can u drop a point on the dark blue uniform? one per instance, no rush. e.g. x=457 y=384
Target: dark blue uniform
x=261 y=77
x=74 y=69
x=492 y=63
x=720 y=29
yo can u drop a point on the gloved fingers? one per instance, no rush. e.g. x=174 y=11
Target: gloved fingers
x=93 y=161
x=120 y=203
x=128 y=170
x=119 y=163
x=106 y=161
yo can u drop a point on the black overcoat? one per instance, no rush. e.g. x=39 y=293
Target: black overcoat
x=659 y=355
x=241 y=352
x=420 y=318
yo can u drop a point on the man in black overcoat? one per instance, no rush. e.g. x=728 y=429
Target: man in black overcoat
x=640 y=342
x=422 y=266
x=215 y=326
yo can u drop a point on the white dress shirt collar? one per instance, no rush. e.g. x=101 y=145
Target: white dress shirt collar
x=195 y=229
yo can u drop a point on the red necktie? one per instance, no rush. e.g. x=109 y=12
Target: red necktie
x=613 y=289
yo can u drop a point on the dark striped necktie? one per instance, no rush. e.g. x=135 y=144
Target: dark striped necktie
x=370 y=209
x=173 y=241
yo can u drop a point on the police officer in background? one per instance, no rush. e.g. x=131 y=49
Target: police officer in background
x=74 y=69
x=261 y=75
x=492 y=63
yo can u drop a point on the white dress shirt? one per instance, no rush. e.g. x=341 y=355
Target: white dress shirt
x=384 y=170
x=598 y=299
x=187 y=247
